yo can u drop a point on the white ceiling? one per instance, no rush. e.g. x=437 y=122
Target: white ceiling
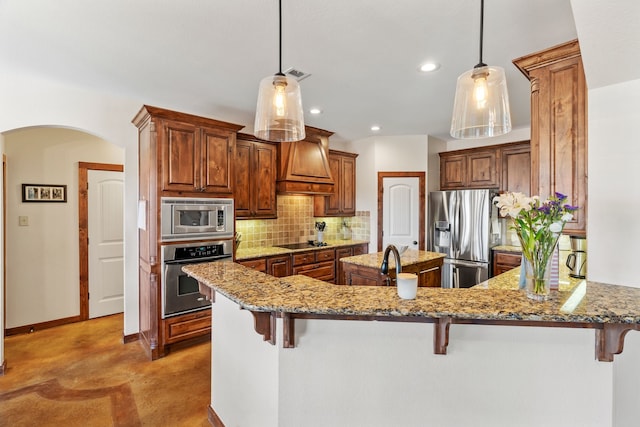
x=207 y=57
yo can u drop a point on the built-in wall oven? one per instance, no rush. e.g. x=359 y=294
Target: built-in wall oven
x=180 y=293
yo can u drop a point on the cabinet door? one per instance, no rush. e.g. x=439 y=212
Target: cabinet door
x=321 y=270
x=361 y=249
x=453 y=171
x=179 y=145
x=332 y=203
x=279 y=266
x=516 y=169
x=264 y=180
x=430 y=277
x=342 y=253
x=216 y=163
x=242 y=185
x=481 y=170
x=559 y=126
x=348 y=186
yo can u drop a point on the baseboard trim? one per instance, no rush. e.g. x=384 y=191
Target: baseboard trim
x=2 y=368
x=213 y=418
x=39 y=326
x=126 y=339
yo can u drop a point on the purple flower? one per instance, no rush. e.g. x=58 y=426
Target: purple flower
x=570 y=208
x=561 y=197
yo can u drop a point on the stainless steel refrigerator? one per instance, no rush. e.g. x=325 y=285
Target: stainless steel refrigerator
x=460 y=226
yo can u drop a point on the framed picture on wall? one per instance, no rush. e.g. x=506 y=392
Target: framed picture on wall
x=44 y=193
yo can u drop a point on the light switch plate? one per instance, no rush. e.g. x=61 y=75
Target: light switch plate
x=23 y=221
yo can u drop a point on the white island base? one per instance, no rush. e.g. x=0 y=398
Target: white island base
x=375 y=373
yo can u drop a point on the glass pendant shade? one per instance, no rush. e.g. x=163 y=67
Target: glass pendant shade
x=481 y=106
x=279 y=114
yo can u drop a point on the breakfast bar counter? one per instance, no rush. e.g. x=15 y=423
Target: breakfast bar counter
x=312 y=322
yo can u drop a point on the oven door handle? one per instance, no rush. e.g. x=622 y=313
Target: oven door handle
x=197 y=260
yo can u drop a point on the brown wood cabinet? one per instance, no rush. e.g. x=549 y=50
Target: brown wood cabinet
x=472 y=168
x=278 y=265
x=559 y=126
x=429 y=274
x=344 y=252
x=303 y=166
x=515 y=170
x=319 y=264
x=504 y=261
x=255 y=178
x=506 y=167
x=343 y=201
x=179 y=155
x=195 y=158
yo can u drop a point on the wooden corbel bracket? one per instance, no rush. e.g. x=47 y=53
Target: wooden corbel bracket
x=264 y=323
x=610 y=339
x=441 y=335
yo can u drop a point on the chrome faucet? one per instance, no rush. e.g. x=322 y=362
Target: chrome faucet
x=384 y=268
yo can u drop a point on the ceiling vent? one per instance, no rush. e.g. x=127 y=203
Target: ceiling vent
x=296 y=74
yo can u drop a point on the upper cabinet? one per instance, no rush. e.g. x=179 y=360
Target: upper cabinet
x=303 y=166
x=505 y=167
x=559 y=126
x=255 y=178
x=472 y=168
x=343 y=201
x=195 y=153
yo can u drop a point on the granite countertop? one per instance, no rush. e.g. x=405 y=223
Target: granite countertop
x=409 y=257
x=588 y=302
x=507 y=248
x=265 y=251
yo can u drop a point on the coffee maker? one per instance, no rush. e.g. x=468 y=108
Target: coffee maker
x=577 y=259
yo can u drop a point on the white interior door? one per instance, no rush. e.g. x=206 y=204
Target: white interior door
x=106 y=249
x=401 y=212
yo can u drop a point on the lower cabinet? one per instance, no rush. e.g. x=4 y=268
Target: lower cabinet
x=187 y=326
x=278 y=266
x=505 y=261
x=429 y=274
x=322 y=264
x=319 y=264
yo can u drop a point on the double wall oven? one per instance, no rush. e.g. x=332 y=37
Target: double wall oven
x=211 y=223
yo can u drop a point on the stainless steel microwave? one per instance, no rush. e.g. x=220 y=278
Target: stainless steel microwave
x=185 y=218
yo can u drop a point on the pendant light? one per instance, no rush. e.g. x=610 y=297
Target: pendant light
x=279 y=116
x=481 y=106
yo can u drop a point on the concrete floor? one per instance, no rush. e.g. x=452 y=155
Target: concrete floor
x=82 y=375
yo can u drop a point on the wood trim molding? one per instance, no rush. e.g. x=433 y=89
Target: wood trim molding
x=39 y=326
x=126 y=339
x=3 y=368
x=421 y=202
x=83 y=228
x=213 y=418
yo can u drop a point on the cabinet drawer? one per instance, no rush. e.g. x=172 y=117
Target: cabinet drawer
x=325 y=255
x=256 y=264
x=187 y=326
x=303 y=258
x=508 y=259
x=322 y=270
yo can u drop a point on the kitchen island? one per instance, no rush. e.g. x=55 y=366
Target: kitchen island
x=320 y=367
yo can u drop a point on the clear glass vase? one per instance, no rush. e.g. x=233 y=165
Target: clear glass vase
x=537 y=278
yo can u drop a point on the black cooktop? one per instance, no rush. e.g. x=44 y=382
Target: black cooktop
x=303 y=245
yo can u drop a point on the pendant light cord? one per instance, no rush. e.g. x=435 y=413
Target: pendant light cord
x=280 y=38
x=480 y=63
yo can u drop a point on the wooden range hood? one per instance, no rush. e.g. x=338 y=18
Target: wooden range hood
x=303 y=166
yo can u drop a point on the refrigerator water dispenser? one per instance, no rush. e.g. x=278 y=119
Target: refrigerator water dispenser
x=442 y=234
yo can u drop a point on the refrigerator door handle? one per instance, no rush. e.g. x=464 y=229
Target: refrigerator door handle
x=457 y=262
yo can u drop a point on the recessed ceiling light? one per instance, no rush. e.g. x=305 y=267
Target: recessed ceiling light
x=375 y=128
x=315 y=111
x=429 y=66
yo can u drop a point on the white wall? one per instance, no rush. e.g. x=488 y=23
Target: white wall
x=2 y=266
x=43 y=257
x=519 y=134
x=384 y=154
x=29 y=100
x=613 y=218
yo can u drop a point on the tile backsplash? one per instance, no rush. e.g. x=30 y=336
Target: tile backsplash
x=296 y=223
